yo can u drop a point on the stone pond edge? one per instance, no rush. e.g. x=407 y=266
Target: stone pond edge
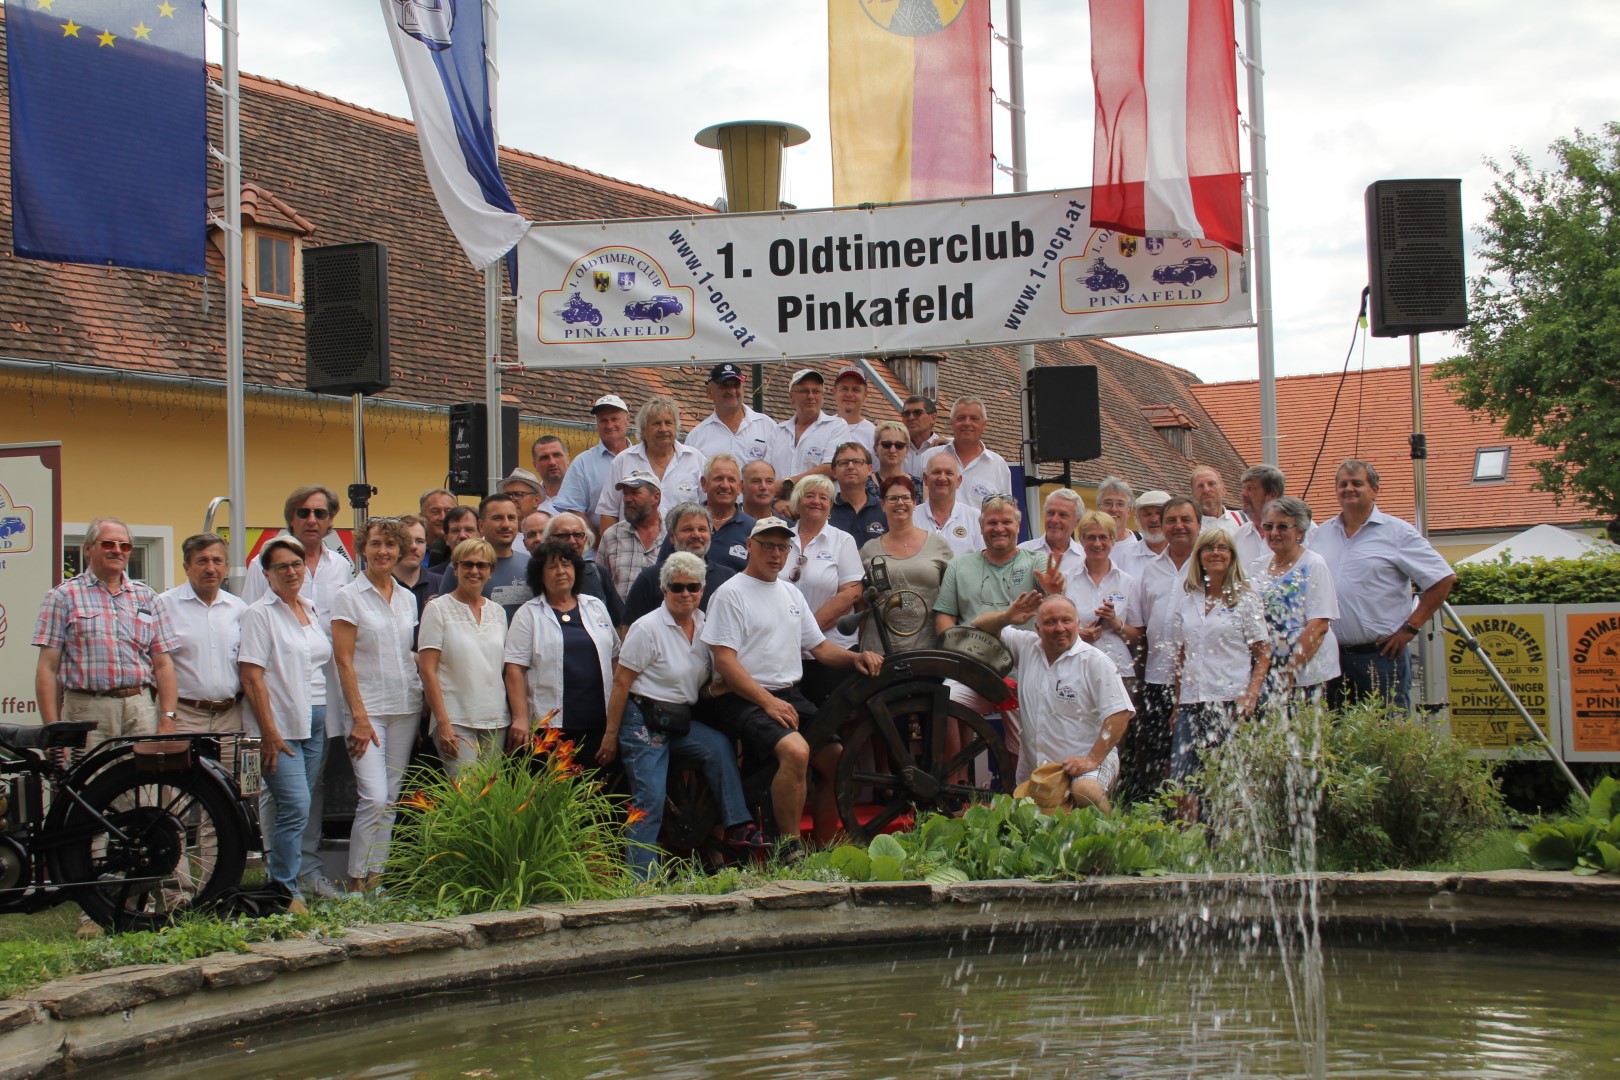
x=84 y=1020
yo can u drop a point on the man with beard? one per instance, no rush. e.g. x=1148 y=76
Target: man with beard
x=630 y=546
x=690 y=530
x=1134 y=554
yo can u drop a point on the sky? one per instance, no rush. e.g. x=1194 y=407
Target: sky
x=1353 y=93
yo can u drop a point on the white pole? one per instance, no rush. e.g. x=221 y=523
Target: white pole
x=492 y=292
x=1020 y=175
x=1262 y=234
x=235 y=420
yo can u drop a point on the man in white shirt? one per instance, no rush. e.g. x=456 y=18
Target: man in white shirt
x=549 y=456
x=1375 y=560
x=918 y=415
x=849 y=398
x=1060 y=515
x=1209 y=492
x=955 y=521
x=1074 y=706
x=582 y=485
x=758 y=626
x=1260 y=484
x=984 y=472
x=732 y=428
x=804 y=442
x=1159 y=588
x=1132 y=555
x=207 y=621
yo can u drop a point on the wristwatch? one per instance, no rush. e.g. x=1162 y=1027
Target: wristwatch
x=1410 y=629
x=169 y=716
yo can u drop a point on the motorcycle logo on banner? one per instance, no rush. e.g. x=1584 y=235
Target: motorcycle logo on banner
x=1156 y=273
x=654 y=311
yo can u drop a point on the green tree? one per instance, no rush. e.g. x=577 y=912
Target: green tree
x=1542 y=352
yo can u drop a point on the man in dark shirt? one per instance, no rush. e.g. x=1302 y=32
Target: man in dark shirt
x=689 y=530
x=856 y=508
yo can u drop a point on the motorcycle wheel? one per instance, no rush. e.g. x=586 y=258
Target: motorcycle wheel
x=596 y=318
x=148 y=847
x=1122 y=286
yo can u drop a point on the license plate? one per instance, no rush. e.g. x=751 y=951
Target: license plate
x=249 y=780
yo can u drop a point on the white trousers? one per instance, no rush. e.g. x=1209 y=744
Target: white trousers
x=378 y=775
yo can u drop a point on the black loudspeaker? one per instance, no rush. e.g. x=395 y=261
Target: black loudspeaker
x=1065 y=418
x=1415 y=257
x=469 y=446
x=346 y=319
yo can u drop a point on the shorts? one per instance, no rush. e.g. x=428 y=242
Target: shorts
x=738 y=718
x=1106 y=773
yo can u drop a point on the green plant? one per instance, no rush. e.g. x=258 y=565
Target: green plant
x=509 y=832
x=1589 y=845
x=1011 y=838
x=1386 y=791
x=1594 y=578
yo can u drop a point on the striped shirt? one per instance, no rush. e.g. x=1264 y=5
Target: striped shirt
x=625 y=556
x=107 y=639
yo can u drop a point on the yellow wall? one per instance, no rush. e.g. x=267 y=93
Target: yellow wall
x=156 y=455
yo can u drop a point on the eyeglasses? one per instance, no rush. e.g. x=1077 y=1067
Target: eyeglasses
x=110 y=546
x=482 y=567
x=898 y=500
x=1272 y=526
x=287 y=567
x=891 y=445
x=848 y=462
x=798 y=567
x=777 y=547
x=684 y=586
x=567 y=536
x=316 y=512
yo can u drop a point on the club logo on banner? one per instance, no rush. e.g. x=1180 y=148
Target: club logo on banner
x=911 y=277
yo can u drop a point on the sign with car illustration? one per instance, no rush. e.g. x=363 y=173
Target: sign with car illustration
x=30 y=565
x=895 y=278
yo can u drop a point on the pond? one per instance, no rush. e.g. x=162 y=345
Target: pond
x=1007 y=1008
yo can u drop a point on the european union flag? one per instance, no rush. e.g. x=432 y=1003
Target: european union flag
x=109 y=132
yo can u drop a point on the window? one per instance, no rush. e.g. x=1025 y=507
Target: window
x=148 y=562
x=273 y=259
x=1491 y=463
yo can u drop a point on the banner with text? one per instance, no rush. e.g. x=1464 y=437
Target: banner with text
x=30 y=565
x=912 y=277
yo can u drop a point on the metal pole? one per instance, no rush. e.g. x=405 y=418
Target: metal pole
x=1460 y=628
x=1020 y=176
x=1261 y=252
x=492 y=294
x=235 y=408
x=360 y=493
x=1420 y=451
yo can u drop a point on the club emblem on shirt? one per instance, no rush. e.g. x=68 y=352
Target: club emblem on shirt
x=1066 y=692
x=960 y=531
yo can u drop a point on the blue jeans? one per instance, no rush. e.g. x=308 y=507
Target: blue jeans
x=290 y=787
x=1371 y=675
x=646 y=761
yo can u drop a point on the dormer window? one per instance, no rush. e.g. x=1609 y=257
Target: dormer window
x=1171 y=423
x=272 y=235
x=273 y=275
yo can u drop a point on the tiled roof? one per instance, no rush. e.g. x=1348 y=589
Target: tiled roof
x=1372 y=421
x=343 y=173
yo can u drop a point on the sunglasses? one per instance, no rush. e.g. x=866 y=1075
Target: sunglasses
x=482 y=567
x=913 y=412
x=683 y=586
x=307 y=512
x=111 y=546
x=888 y=445
x=1272 y=526
x=798 y=567
x=287 y=567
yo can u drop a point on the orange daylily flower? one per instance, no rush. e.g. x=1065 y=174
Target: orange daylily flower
x=635 y=816
x=417 y=800
x=489 y=784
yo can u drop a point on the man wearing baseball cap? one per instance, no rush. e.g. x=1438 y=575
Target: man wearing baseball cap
x=849 y=398
x=759 y=627
x=631 y=545
x=732 y=427
x=806 y=440
x=582 y=485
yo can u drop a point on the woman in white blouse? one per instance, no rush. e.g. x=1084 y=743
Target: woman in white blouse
x=459 y=650
x=825 y=565
x=1223 y=657
x=372 y=620
x=284 y=652
x=664 y=666
x=1296 y=591
x=559 y=654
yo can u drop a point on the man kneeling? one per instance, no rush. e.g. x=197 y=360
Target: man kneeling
x=1074 y=705
x=758 y=628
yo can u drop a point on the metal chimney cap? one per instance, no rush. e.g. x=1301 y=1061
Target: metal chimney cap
x=792 y=134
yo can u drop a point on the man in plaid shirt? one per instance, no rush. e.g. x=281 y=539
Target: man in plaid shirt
x=630 y=546
x=104 y=645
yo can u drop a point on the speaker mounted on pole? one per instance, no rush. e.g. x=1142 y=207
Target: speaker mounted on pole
x=1415 y=257
x=1065 y=414
x=346 y=319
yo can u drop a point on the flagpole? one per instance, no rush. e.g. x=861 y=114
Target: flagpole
x=235 y=420
x=492 y=289
x=1020 y=175
x=1262 y=233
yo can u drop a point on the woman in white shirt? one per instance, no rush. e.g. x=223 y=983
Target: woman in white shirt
x=459 y=650
x=283 y=656
x=372 y=622
x=559 y=654
x=1223 y=657
x=825 y=564
x=1296 y=590
x=664 y=666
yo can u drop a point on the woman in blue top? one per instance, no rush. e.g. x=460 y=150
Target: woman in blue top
x=1296 y=589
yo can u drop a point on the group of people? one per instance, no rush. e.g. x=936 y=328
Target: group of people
x=682 y=599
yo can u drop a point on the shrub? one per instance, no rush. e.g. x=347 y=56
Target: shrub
x=1387 y=791
x=1590 y=845
x=508 y=832
x=1594 y=578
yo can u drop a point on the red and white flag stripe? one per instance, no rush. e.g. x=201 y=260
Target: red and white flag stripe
x=1166 y=156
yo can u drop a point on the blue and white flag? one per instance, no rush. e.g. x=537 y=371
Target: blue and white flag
x=109 y=132
x=440 y=48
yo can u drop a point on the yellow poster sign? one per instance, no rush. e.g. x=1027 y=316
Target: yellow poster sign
x=1592 y=648
x=1520 y=646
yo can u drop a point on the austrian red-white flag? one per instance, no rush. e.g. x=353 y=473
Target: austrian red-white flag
x=1166 y=155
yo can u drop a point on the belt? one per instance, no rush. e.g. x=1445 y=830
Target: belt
x=121 y=692
x=215 y=707
x=1366 y=647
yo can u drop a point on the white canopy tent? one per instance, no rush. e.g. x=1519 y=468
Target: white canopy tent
x=1542 y=542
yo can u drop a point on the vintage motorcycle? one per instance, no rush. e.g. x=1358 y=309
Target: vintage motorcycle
x=579 y=310
x=1101 y=277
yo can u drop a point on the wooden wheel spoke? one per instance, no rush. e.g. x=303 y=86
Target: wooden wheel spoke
x=877 y=780
x=883 y=724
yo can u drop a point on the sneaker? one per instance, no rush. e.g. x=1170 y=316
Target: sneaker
x=791 y=851
x=88 y=929
x=320 y=888
x=746 y=837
